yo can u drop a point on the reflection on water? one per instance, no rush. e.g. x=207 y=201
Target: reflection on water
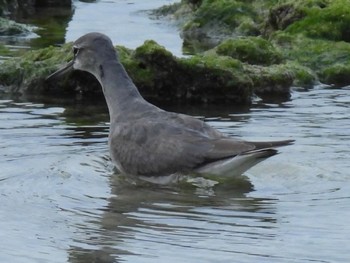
x=122 y=21
x=61 y=200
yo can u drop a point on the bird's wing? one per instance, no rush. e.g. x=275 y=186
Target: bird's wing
x=150 y=147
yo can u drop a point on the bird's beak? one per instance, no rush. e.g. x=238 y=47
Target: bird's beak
x=61 y=72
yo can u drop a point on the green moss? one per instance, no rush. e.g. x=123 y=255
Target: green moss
x=217 y=76
x=29 y=71
x=149 y=63
x=152 y=51
x=302 y=76
x=221 y=17
x=214 y=62
x=227 y=12
x=157 y=73
x=314 y=53
x=253 y=50
x=248 y=27
x=338 y=74
x=275 y=79
x=330 y=21
x=324 y=57
x=141 y=75
x=167 y=9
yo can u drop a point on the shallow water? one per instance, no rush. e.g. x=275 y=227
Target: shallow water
x=125 y=22
x=61 y=200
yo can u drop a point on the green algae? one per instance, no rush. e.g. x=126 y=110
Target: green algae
x=323 y=57
x=267 y=47
x=202 y=78
x=158 y=74
x=338 y=74
x=310 y=36
x=220 y=78
x=253 y=50
x=28 y=72
x=328 y=20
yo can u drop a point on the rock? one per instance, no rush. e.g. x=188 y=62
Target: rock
x=328 y=60
x=26 y=74
x=280 y=17
x=203 y=78
x=206 y=23
x=271 y=81
x=158 y=74
x=230 y=72
x=337 y=74
x=253 y=50
x=325 y=19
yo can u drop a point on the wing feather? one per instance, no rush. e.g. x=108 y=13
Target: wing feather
x=181 y=143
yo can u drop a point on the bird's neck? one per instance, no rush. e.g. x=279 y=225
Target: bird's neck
x=119 y=90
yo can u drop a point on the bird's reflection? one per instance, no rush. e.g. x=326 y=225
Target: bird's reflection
x=135 y=208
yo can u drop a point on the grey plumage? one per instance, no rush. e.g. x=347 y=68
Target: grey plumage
x=147 y=141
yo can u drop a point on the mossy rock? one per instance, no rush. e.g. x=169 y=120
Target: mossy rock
x=219 y=78
x=214 y=21
x=253 y=50
x=337 y=74
x=202 y=78
x=158 y=74
x=329 y=21
x=321 y=56
x=276 y=80
x=287 y=12
x=271 y=80
x=227 y=12
x=151 y=69
x=302 y=76
x=28 y=72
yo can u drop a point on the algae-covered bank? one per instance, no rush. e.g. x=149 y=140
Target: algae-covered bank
x=236 y=49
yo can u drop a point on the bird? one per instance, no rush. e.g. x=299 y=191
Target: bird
x=150 y=143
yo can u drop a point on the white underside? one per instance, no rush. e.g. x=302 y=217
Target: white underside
x=230 y=167
x=234 y=166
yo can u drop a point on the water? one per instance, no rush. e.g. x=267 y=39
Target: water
x=124 y=22
x=61 y=200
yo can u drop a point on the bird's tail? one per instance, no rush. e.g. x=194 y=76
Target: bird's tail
x=238 y=164
x=271 y=144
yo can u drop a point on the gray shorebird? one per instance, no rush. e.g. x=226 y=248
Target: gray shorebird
x=151 y=143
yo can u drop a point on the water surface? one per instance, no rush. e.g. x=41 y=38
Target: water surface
x=61 y=201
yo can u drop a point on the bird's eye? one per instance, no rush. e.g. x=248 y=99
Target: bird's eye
x=75 y=51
